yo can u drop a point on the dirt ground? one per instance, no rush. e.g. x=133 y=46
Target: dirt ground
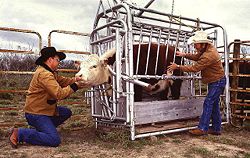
x=86 y=142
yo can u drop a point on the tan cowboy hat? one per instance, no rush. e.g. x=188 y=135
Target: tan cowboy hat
x=199 y=37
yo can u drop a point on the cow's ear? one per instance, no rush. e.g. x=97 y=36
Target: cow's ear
x=77 y=64
x=104 y=62
x=108 y=54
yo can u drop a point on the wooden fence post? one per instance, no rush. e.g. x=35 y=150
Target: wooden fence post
x=235 y=79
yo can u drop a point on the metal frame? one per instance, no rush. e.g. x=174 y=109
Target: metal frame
x=6 y=29
x=122 y=25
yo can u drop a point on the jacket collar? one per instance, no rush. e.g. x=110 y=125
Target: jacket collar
x=47 y=67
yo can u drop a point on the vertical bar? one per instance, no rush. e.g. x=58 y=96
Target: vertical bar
x=93 y=103
x=177 y=40
x=149 y=47
x=106 y=99
x=118 y=63
x=227 y=93
x=114 y=94
x=139 y=51
x=167 y=46
x=158 y=50
x=216 y=37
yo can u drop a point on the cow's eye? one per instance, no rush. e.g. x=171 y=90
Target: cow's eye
x=94 y=66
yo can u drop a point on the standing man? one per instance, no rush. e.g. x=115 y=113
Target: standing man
x=209 y=63
x=41 y=110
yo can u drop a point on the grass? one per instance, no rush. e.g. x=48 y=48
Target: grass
x=120 y=138
x=203 y=152
x=11 y=113
x=5 y=102
x=74 y=124
x=177 y=141
x=247 y=155
x=241 y=143
x=63 y=149
x=7 y=96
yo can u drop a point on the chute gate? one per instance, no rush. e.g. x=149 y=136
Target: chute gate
x=126 y=27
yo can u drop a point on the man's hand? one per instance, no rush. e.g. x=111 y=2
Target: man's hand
x=78 y=79
x=181 y=54
x=172 y=67
x=83 y=84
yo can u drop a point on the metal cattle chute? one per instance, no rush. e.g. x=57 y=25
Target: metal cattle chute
x=120 y=25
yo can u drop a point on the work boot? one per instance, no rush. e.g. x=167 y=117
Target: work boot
x=13 y=137
x=197 y=132
x=211 y=131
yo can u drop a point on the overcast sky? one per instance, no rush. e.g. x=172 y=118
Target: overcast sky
x=78 y=15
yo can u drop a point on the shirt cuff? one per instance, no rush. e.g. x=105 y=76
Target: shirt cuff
x=74 y=87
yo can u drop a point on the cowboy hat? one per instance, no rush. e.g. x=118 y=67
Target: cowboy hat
x=199 y=37
x=48 y=52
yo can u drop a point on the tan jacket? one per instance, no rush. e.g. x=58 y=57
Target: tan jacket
x=45 y=89
x=209 y=63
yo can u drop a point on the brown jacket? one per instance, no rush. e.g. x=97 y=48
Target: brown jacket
x=45 y=89
x=209 y=63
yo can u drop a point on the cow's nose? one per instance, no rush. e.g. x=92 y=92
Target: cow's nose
x=82 y=76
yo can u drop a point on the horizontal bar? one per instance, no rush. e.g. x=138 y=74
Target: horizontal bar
x=168 y=131
x=13 y=91
x=103 y=117
x=17 y=72
x=239 y=90
x=165 y=77
x=240 y=104
x=16 y=51
x=247 y=59
x=74 y=51
x=103 y=39
x=137 y=82
x=240 y=116
x=240 y=75
x=68 y=70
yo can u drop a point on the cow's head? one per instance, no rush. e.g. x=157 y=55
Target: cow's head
x=94 y=69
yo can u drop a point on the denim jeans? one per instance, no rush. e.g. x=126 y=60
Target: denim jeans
x=211 y=107
x=45 y=133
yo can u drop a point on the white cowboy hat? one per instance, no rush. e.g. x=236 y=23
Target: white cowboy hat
x=199 y=37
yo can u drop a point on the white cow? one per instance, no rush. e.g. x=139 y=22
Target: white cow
x=94 y=69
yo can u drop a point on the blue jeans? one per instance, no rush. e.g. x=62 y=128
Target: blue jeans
x=45 y=132
x=211 y=107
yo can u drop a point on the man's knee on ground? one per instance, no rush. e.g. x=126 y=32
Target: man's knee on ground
x=55 y=141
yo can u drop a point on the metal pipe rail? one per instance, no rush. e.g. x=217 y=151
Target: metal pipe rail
x=165 y=77
x=127 y=78
x=19 y=51
x=16 y=51
x=170 y=15
x=65 y=32
x=24 y=31
x=74 y=51
x=17 y=72
x=107 y=37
